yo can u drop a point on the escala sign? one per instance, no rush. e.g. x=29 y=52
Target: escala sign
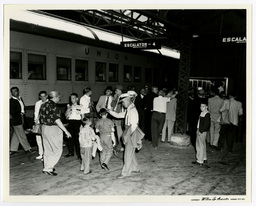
x=234 y=39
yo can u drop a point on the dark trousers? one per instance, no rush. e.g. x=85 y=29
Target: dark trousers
x=193 y=133
x=228 y=135
x=148 y=115
x=157 y=123
x=74 y=129
x=141 y=119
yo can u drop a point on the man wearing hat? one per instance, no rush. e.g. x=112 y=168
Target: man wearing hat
x=105 y=100
x=116 y=107
x=133 y=94
x=131 y=123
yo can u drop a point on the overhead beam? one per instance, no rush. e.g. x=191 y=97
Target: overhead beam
x=162 y=20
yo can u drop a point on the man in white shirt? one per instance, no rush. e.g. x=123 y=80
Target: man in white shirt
x=170 y=116
x=85 y=101
x=158 y=116
x=131 y=124
x=228 y=131
x=43 y=98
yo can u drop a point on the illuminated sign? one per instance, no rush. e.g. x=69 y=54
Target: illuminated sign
x=234 y=39
x=146 y=44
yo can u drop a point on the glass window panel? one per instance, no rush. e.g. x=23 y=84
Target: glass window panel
x=113 y=73
x=156 y=76
x=36 y=67
x=15 y=65
x=137 y=74
x=100 y=72
x=127 y=73
x=81 y=71
x=148 y=75
x=63 y=68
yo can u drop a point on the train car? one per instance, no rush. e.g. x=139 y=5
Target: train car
x=48 y=59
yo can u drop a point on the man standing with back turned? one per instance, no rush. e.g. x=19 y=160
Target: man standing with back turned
x=214 y=105
x=52 y=134
x=229 y=131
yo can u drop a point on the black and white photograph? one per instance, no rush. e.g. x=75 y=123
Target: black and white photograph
x=127 y=103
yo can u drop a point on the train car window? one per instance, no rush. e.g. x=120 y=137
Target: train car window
x=156 y=76
x=137 y=74
x=113 y=73
x=15 y=65
x=36 y=67
x=148 y=75
x=127 y=73
x=100 y=72
x=81 y=71
x=63 y=68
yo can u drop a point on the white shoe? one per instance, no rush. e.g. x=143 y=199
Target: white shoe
x=39 y=157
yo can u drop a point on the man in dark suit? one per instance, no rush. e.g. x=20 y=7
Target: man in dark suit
x=139 y=103
x=17 y=112
x=148 y=107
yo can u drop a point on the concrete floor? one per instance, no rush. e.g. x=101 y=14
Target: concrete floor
x=164 y=171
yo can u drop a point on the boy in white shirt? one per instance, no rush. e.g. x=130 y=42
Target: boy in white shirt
x=86 y=138
x=74 y=118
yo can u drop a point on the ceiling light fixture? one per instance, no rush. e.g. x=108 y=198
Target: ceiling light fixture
x=195 y=35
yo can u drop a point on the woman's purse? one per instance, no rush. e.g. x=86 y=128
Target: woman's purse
x=36 y=129
x=224 y=118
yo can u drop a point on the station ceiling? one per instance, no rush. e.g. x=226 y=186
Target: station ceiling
x=167 y=26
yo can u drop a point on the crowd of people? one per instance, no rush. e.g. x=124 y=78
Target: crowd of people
x=123 y=119
x=217 y=124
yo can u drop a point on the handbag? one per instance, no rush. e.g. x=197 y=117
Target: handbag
x=224 y=118
x=140 y=133
x=36 y=129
